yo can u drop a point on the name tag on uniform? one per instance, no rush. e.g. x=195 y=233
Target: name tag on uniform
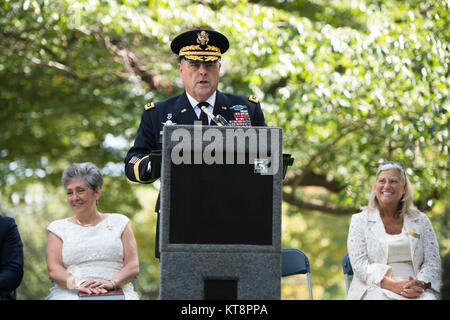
x=416 y=235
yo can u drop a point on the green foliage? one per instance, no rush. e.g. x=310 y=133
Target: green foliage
x=349 y=82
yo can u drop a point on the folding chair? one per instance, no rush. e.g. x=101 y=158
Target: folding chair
x=348 y=271
x=294 y=261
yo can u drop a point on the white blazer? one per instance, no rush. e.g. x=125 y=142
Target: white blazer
x=368 y=250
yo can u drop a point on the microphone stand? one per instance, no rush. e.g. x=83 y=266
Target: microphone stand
x=219 y=120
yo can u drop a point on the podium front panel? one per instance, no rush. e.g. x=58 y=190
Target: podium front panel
x=228 y=208
x=205 y=208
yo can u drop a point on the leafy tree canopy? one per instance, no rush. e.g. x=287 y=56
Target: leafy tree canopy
x=349 y=82
x=349 y=85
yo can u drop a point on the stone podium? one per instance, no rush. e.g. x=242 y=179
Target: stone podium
x=220 y=223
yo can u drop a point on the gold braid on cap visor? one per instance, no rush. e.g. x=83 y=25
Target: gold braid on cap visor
x=195 y=52
x=202 y=58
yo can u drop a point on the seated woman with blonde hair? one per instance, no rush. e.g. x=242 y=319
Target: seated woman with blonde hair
x=392 y=245
x=90 y=252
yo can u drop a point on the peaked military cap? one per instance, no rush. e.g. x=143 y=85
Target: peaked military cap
x=200 y=45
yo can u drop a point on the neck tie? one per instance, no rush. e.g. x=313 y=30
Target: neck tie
x=203 y=116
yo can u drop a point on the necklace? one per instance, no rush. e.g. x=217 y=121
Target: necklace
x=85 y=224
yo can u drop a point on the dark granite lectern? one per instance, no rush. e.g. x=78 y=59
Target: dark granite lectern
x=221 y=212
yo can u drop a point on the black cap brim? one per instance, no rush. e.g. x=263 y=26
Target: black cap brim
x=202 y=45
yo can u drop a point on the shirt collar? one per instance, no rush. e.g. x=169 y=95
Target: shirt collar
x=211 y=100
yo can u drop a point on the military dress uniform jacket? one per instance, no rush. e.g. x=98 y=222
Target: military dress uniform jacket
x=178 y=110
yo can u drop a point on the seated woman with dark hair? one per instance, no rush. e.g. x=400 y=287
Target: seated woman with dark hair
x=90 y=252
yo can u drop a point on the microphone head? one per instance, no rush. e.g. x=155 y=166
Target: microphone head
x=222 y=120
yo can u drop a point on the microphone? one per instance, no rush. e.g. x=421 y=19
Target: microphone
x=219 y=120
x=222 y=120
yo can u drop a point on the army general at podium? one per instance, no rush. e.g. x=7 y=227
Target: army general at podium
x=199 y=53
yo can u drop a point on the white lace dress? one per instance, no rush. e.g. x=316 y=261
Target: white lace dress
x=91 y=252
x=399 y=258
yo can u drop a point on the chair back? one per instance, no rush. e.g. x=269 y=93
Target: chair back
x=346 y=265
x=295 y=261
x=348 y=270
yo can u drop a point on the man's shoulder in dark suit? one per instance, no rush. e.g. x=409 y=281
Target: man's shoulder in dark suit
x=11 y=258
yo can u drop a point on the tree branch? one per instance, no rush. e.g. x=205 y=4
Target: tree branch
x=317 y=205
x=65 y=68
x=307 y=168
x=59 y=66
x=132 y=63
x=313 y=179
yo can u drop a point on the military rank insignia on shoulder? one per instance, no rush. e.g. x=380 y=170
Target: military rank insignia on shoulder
x=149 y=106
x=253 y=99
